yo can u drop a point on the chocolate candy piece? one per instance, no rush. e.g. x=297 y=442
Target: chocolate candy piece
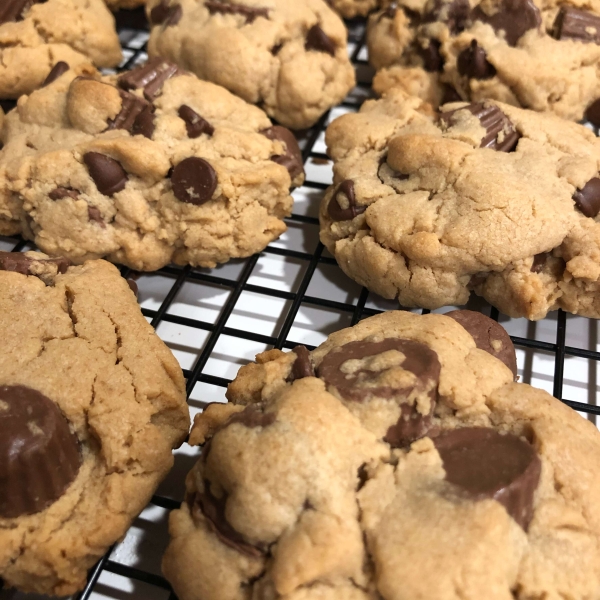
x=357 y=382
x=62 y=192
x=539 y=260
x=144 y=123
x=317 y=39
x=486 y=464
x=472 y=62
x=592 y=113
x=514 y=17
x=250 y=13
x=450 y=95
x=455 y=14
x=194 y=181
x=14 y=10
x=252 y=416
x=432 y=59
x=174 y=15
x=133 y=286
x=488 y=335
x=292 y=159
x=58 y=69
x=18 y=262
x=94 y=214
x=151 y=77
x=108 y=175
x=500 y=132
x=576 y=24
x=302 y=366
x=131 y=108
x=336 y=212
x=160 y=12
x=194 y=123
x=587 y=199
x=39 y=456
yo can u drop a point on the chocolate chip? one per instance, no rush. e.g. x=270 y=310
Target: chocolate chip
x=539 y=260
x=317 y=39
x=472 y=62
x=250 y=13
x=194 y=181
x=587 y=199
x=514 y=17
x=108 y=175
x=488 y=335
x=14 y=10
x=302 y=366
x=94 y=214
x=133 y=286
x=194 y=123
x=432 y=58
x=450 y=94
x=160 y=12
x=335 y=210
x=151 y=77
x=455 y=14
x=58 y=69
x=576 y=24
x=62 y=192
x=173 y=16
x=292 y=159
x=275 y=50
x=592 y=113
x=18 y=262
x=131 y=107
x=500 y=132
x=144 y=123
x=486 y=464
x=360 y=383
x=39 y=456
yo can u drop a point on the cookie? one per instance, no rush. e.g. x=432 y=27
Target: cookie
x=486 y=197
x=287 y=56
x=35 y=36
x=399 y=449
x=544 y=56
x=145 y=168
x=124 y=4
x=353 y=8
x=91 y=404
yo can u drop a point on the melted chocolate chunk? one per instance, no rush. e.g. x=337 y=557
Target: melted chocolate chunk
x=292 y=159
x=335 y=210
x=108 y=175
x=250 y=13
x=58 y=69
x=173 y=16
x=592 y=113
x=450 y=95
x=151 y=77
x=18 y=262
x=486 y=464
x=317 y=39
x=514 y=18
x=160 y=12
x=14 y=10
x=131 y=108
x=576 y=24
x=302 y=366
x=144 y=123
x=455 y=14
x=488 y=335
x=39 y=456
x=500 y=132
x=252 y=416
x=539 y=260
x=194 y=123
x=587 y=199
x=62 y=192
x=95 y=215
x=194 y=181
x=432 y=58
x=472 y=62
x=133 y=287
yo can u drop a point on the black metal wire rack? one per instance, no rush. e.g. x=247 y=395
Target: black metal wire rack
x=307 y=261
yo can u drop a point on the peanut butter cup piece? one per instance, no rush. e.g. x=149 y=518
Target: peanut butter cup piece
x=344 y=191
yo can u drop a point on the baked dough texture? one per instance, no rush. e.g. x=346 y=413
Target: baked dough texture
x=122 y=392
x=434 y=215
x=353 y=8
x=298 y=495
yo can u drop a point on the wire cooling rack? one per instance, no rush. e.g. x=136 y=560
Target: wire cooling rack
x=215 y=320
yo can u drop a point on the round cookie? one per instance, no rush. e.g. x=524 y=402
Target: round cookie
x=91 y=404
x=353 y=8
x=540 y=55
x=306 y=490
x=484 y=197
x=144 y=168
x=287 y=56
x=35 y=35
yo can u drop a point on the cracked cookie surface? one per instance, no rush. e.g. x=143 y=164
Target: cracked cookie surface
x=34 y=36
x=145 y=168
x=487 y=197
x=356 y=470
x=287 y=56
x=120 y=393
x=541 y=55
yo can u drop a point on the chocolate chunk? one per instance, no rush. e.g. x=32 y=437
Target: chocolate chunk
x=488 y=335
x=302 y=366
x=292 y=159
x=432 y=58
x=539 y=260
x=108 y=175
x=500 y=132
x=173 y=16
x=194 y=181
x=472 y=62
x=194 y=123
x=592 y=113
x=151 y=77
x=133 y=286
x=58 y=69
x=450 y=94
x=14 y=10
x=94 y=214
x=275 y=50
x=335 y=210
x=486 y=464
x=358 y=382
x=252 y=416
x=514 y=17
x=39 y=456
x=587 y=199
x=455 y=14
x=131 y=107
x=144 y=123
x=18 y=262
x=160 y=12
x=317 y=39
x=576 y=24
x=250 y=13
x=62 y=192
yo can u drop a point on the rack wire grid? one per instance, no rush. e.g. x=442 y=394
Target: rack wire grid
x=215 y=320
